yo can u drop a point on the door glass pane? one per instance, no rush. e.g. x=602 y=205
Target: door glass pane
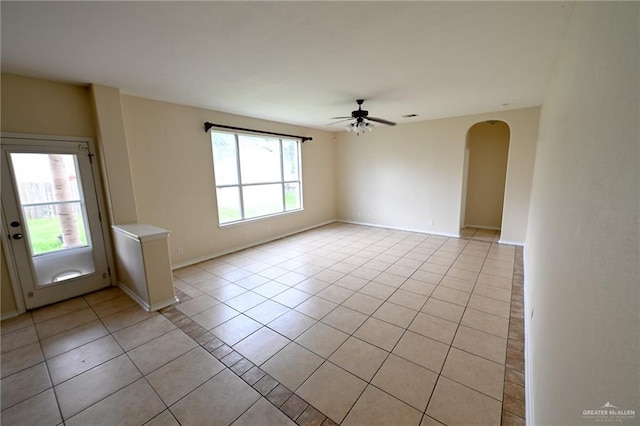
x=229 y=204
x=54 y=215
x=261 y=200
x=225 y=164
x=259 y=159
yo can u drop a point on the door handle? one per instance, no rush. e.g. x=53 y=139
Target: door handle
x=17 y=236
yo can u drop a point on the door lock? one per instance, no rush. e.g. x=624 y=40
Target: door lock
x=15 y=224
x=17 y=236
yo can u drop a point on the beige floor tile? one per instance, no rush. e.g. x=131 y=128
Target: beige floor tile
x=261 y=345
x=335 y=294
x=227 y=292
x=406 y=381
x=16 y=323
x=494 y=281
x=161 y=350
x=65 y=322
x=462 y=274
x=329 y=276
x=292 y=324
x=177 y=378
x=390 y=279
x=344 y=319
x=267 y=311
x=87 y=388
x=436 y=328
x=163 y=419
x=236 y=329
x=83 y=358
x=112 y=305
x=450 y=295
x=490 y=306
x=210 y=284
x=292 y=365
x=481 y=344
x=102 y=295
x=215 y=316
x=263 y=413
x=499 y=272
x=220 y=400
x=475 y=372
x=395 y=314
x=291 y=297
x=418 y=287
x=322 y=339
x=39 y=410
x=426 y=277
x=363 y=303
x=497 y=293
x=198 y=276
x=408 y=299
x=73 y=338
x=442 y=309
x=379 y=333
x=364 y=272
x=291 y=278
x=457 y=284
x=380 y=291
x=378 y=408
x=430 y=421
x=23 y=385
x=446 y=407
x=197 y=305
x=58 y=309
x=332 y=390
x=21 y=358
x=251 y=281
x=316 y=307
x=422 y=350
x=359 y=358
x=486 y=322
x=312 y=285
x=126 y=317
x=273 y=272
x=245 y=301
x=187 y=289
x=143 y=332
x=270 y=289
x=352 y=282
x=134 y=404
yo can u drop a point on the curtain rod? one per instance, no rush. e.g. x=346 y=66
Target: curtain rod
x=208 y=126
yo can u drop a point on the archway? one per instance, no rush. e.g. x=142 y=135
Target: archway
x=486 y=156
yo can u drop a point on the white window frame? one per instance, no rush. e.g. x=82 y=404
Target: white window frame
x=240 y=185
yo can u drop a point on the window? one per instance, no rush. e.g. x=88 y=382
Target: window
x=255 y=176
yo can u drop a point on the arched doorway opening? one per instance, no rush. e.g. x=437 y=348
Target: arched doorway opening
x=485 y=173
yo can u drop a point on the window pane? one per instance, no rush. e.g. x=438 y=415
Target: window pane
x=45 y=231
x=229 y=204
x=36 y=183
x=225 y=165
x=292 y=196
x=290 y=159
x=260 y=200
x=259 y=159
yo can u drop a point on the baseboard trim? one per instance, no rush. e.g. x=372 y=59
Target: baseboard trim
x=8 y=315
x=246 y=246
x=511 y=243
x=143 y=303
x=396 y=228
x=491 y=228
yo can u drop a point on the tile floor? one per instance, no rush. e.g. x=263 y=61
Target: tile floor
x=343 y=324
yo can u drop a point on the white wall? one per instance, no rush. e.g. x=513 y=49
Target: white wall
x=582 y=256
x=405 y=175
x=172 y=169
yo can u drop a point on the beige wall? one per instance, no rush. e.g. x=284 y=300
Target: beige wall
x=172 y=169
x=7 y=302
x=406 y=175
x=582 y=283
x=44 y=107
x=488 y=145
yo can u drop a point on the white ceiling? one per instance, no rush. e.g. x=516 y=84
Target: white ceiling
x=296 y=62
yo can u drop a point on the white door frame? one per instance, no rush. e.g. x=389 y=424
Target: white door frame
x=104 y=225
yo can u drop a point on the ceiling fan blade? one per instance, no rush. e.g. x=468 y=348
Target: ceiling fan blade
x=340 y=121
x=339 y=118
x=380 y=120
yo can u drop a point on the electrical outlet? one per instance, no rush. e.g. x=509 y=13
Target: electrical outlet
x=180 y=251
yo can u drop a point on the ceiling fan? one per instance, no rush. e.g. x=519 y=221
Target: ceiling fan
x=360 y=120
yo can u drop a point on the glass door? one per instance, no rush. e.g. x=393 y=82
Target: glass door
x=52 y=217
